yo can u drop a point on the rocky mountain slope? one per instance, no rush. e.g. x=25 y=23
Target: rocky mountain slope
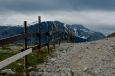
x=81 y=34
x=85 y=33
x=95 y=58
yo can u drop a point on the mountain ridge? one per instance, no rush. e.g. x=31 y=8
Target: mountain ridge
x=81 y=33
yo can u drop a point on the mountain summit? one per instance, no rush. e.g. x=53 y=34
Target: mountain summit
x=81 y=34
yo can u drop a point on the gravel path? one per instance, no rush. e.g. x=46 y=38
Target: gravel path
x=96 y=58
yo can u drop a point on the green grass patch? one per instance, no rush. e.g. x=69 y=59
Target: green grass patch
x=6 y=54
x=66 y=41
x=6 y=47
x=34 y=59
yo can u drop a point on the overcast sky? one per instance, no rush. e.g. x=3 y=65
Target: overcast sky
x=97 y=15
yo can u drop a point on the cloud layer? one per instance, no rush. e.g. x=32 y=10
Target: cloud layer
x=98 y=15
x=43 y=5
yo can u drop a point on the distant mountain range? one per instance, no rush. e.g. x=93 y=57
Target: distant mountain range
x=81 y=34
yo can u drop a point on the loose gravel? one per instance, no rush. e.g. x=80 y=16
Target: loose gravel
x=95 y=58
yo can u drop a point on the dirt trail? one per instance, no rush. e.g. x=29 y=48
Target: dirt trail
x=95 y=58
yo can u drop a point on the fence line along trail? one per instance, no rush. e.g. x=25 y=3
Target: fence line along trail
x=39 y=34
x=95 y=58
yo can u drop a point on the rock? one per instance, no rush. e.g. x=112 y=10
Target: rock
x=53 y=59
x=114 y=61
x=19 y=63
x=32 y=73
x=85 y=69
x=86 y=47
x=101 y=75
x=7 y=71
x=30 y=67
x=4 y=71
x=75 y=73
x=24 y=74
x=49 y=70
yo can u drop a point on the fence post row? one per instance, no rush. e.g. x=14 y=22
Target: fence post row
x=25 y=45
x=57 y=28
x=48 y=35
x=53 y=34
x=65 y=34
x=70 y=36
x=39 y=36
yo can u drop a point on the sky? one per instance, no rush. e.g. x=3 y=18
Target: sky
x=97 y=15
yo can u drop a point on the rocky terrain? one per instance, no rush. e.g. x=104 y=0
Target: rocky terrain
x=95 y=58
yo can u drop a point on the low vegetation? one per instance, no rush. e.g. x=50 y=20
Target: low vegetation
x=33 y=60
x=111 y=35
x=66 y=41
x=6 y=47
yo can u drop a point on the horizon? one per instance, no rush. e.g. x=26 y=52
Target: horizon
x=95 y=15
x=32 y=23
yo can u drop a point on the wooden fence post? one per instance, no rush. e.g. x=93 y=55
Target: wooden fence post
x=48 y=39
x=72 y=38
x=25 y=45
x=69 y=35
x=63 y=33
x=39 y=36
x=57 y=28
x=66 y=34
x=53 y=34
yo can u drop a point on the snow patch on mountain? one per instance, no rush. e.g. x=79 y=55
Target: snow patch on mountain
x=84 y=37
x=65 y=25
x=76 y=33
x=84 y=30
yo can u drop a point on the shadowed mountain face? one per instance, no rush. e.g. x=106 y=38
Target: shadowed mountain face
x=81 y=34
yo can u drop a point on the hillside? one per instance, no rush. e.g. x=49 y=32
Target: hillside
x=111 y=35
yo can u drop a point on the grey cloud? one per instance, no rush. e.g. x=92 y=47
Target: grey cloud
x=32 y=5
x=45 y=5
x=74 y=12
x=105 y=29
x=93 y=4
